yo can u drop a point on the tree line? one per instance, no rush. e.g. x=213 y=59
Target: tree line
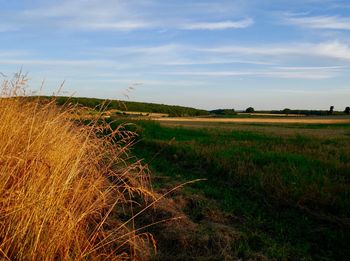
x=331 y=111
x=98 y=104
x=175 y=110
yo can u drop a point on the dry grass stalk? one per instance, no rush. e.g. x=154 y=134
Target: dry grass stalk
x=62 y=185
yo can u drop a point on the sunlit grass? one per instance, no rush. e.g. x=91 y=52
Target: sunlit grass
x=63 y=186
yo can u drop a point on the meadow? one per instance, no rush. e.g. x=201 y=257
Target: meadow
x=80 y=183
x=269 y=191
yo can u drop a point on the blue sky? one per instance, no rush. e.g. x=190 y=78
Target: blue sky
x=269 y=54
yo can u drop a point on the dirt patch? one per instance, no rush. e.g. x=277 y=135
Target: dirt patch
x=186 y=228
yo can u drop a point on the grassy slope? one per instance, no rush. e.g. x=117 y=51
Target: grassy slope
x=285 y=196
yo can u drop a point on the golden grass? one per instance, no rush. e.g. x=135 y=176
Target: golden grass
x=63 y=186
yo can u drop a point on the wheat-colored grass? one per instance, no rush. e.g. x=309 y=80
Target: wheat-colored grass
x=63 y=185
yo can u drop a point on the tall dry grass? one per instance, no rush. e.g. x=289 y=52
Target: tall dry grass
x=64 y=187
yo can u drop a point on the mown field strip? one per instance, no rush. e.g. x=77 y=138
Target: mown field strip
x=258 y=120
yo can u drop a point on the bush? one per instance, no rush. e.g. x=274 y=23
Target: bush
x=250 y=110
x=287 y=111
x=224 y=112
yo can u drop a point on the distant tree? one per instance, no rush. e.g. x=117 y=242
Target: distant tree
x=230 y=112
x=347 y=110
x=287 y=111
x=331 y=109
x=224 y=112
x=250 y=110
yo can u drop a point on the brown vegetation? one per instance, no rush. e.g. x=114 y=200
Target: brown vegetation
x=65 y=188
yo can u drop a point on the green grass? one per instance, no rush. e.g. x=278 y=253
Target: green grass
x=286 y=196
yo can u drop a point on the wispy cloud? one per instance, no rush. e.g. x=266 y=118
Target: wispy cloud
x=310 y=68
x=145 y=82
x=118 y=26
x=121 y=16
x=320 y=22
x=88 y=15
x=219 y=25
x=90 y=63
x=145 y=50
x=173 y=55
x=314 y=73
x=215 y=61
x=333 y=50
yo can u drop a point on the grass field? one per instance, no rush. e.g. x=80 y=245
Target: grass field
x=271 y=191
x=242 y=188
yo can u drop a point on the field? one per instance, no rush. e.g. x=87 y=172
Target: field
x=175 y=130
x=223 y=187
x=270 y=191
x=263 y=119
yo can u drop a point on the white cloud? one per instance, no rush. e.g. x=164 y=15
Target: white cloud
x=219 y=25
x=88 y=15
x=314 y=73
x=321 y=22
x=173 y=55
x=118 y=26
x=310 y=68
x=90 y=63
x=122 y=16
x=250 y=50
x=77 y=9
x=215 y=61
x=145 y=50
x=330 y=57
x=164 y=83
x=333 y=50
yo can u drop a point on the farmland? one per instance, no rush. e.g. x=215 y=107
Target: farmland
x=270 y=190
x=302 y=120
x=176 y=130
x=226 y=187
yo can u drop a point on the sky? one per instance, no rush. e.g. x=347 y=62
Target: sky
x=268 y=54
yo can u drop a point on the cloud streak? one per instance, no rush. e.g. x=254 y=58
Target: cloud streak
x=88 y=15
x=321 y=22
x=121 y=16
x=117 y=26
x=332 y=50
x=53 y=62
x=309 y=73
x=219 y=25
